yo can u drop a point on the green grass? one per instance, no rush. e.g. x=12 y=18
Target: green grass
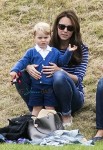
x=66 y=147
x=17 y=19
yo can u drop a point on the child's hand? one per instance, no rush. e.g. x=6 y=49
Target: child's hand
x=73 y=48
x=14 y=75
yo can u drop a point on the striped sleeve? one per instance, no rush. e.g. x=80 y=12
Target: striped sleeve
x=80 y=70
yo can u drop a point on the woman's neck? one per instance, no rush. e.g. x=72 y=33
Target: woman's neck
x=64 y=45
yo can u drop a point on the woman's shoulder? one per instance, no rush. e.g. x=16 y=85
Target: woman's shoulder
x=85 y=51
x=84 y=47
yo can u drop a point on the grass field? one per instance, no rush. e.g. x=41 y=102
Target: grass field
x=16 y=21
x=66 y=147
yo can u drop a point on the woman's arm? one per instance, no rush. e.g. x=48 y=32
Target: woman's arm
x=79 y=72
x=72 y=76
x=49 y=70
x=80 y=69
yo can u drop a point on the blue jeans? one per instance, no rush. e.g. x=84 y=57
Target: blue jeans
x=68 y=97
x=24 y=87
x=99 y=105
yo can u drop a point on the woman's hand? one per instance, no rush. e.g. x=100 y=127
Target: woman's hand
x=49 y=70
x=31 y=69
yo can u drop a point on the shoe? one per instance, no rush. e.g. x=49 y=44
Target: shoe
x=67 y=124
x=2 y=138
x=96 y=139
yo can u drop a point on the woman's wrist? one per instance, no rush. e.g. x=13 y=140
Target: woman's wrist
x=61 y=69
x=27 y=68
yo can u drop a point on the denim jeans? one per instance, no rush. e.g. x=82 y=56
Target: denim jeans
x=68 y=97
x=99 y=105
x=23 y=86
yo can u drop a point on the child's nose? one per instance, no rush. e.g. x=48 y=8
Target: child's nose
x=43 y=39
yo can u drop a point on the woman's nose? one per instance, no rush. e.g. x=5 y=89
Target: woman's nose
x=65 y=29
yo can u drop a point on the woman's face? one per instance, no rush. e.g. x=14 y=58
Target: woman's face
x=65 y=28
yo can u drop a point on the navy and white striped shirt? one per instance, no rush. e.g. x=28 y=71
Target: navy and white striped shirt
x=79 y=70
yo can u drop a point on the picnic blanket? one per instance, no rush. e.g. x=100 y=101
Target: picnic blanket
x=56 y=138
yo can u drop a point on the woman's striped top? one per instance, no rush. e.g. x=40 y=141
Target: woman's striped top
x=80 y=69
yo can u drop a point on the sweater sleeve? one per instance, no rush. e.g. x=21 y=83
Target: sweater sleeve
x=64 y=59
x=23 y=62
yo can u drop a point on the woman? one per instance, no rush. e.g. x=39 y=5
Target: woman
x=67 y=81
x=99 y=111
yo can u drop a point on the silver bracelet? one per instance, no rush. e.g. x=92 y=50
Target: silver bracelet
x=61 y=69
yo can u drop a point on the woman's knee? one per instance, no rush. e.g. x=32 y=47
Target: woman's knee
x=58 y=77
x=100 y=84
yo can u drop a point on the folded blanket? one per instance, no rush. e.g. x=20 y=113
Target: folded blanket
x=57 y=138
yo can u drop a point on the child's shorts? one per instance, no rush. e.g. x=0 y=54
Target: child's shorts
x=42 y=95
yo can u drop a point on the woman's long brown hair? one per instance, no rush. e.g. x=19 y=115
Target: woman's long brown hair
x=75 y=38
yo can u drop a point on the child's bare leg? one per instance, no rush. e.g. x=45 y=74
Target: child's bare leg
x=36 y=110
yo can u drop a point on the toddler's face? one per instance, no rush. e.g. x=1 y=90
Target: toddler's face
x=42 y=39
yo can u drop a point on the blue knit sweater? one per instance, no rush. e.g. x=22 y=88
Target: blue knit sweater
x=33 y=57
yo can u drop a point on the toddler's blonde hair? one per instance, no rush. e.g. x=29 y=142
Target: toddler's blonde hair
x=42 y=26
